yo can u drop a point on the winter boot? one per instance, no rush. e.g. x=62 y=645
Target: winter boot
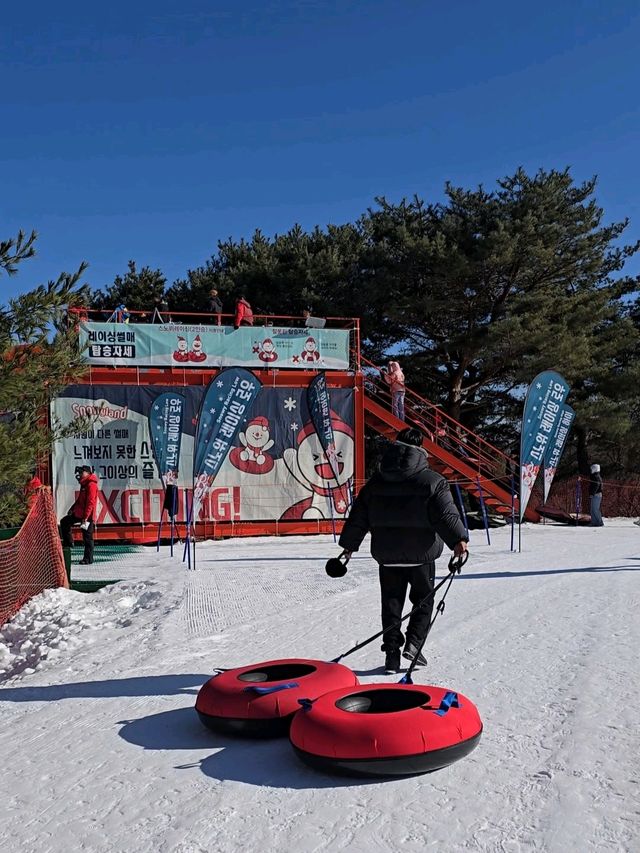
x=392 y=661
x=410 y=652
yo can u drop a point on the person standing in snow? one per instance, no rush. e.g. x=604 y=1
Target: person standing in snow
x=244 y=313
x=595 y=493
x=409 y=511
x=82 y=513
x=394 y=377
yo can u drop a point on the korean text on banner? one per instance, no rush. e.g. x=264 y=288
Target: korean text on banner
x=165 y=427
x=542 y=410
x=225 y=407
x=555 y=448
x=195 y=345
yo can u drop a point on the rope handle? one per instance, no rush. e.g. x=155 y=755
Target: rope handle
x=456 y=563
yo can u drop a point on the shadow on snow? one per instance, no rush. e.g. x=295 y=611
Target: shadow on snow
x=145 y=685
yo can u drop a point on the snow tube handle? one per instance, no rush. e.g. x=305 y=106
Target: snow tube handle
x=449 y=700
x=456 y=563
x=263 y=691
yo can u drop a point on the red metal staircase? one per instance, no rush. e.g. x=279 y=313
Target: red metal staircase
x=462 y=456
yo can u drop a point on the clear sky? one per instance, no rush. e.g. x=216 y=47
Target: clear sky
x=149 y=130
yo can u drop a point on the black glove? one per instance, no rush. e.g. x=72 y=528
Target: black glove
x=336 y=567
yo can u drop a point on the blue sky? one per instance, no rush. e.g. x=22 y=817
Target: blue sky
x=150 y=130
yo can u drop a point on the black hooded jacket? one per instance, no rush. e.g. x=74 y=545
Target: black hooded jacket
x=407 y=507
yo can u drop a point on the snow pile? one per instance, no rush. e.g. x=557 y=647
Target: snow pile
x=60 y=620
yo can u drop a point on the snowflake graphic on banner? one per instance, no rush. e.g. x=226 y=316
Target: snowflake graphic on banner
x=290 y=404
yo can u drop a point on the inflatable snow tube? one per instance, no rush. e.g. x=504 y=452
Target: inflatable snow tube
x=260 y=700
x=385 y=730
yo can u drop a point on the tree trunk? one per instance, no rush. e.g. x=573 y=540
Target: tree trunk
x=454 y=398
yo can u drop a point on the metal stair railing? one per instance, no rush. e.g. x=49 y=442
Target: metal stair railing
x=442 y=430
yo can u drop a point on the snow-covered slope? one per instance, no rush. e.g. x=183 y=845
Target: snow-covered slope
x=102 y=750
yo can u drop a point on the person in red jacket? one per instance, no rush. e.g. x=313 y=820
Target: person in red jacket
x=82 y=513
x=244 y=313
x=31 y=489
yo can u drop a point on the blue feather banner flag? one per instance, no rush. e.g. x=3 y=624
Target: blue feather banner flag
x=543 y=408
x=225 y=408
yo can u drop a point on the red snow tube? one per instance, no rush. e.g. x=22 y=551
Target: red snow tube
x=259 y=700
x=385 y=730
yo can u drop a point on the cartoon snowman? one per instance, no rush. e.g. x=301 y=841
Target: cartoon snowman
x=253 y=458
x=310 y=352
x=267 y=351
x=181 y=353
x=326 y=475
x=197 y=353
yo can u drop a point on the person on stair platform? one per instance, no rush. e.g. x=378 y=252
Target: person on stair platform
x=409 y=510
x=394 y=377
x=244 y=313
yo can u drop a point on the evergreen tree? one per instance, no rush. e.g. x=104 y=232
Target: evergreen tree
x=486 y=289
x=283 y=275
x=38 y=355
x=138 y=290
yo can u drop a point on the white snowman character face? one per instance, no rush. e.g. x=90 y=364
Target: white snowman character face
x=197 y=345
x=310 y=345
x=315 y=466
x=257 y=435
x=182 y=345
x=268 y=345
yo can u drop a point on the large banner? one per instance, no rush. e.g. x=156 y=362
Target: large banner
x=542 y=410
x=224 y=410
x=555 y=448
x=183 y=345
x=273 y=470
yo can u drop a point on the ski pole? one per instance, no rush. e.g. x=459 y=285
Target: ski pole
x=159 y=530
x=462 y=509
x=174 y=510
x=187 y=543
x=484 y=511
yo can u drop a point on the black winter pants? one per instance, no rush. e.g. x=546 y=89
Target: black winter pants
x=66 y=524
x=394 y=581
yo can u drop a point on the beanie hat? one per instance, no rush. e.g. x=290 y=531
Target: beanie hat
x=595 y=469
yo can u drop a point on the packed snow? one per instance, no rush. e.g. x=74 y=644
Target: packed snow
x=103 y=751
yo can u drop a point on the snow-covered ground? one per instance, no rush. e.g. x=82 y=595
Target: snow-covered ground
x=102 y=750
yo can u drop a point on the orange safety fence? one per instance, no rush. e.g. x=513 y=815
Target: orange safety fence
x=32 y=560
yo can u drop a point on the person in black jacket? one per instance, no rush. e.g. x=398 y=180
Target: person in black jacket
x=595 y=493
x=215 y=305
x=409 y=510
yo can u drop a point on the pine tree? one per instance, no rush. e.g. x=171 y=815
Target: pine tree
x=282 y=275
x=39 y=355
x=138 y=290
x=488 y=288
